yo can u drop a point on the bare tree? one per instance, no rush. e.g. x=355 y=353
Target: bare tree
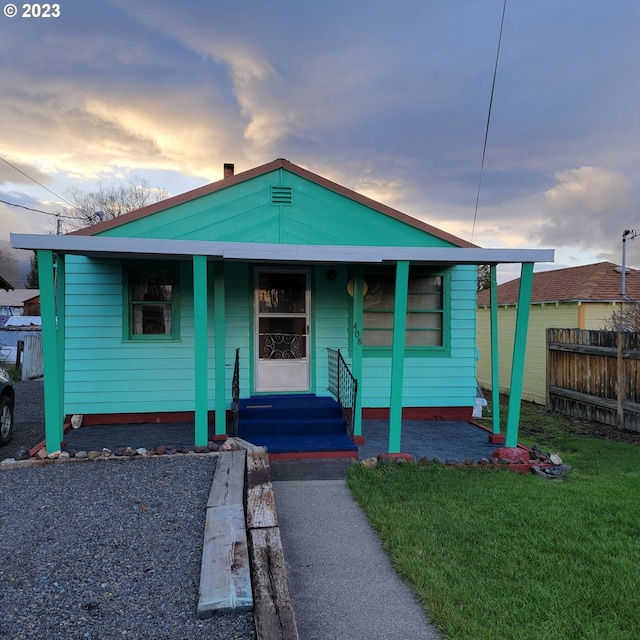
x=111 y=201
x=624 y=317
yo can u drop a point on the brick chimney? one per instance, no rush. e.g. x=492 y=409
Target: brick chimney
x=228 y=169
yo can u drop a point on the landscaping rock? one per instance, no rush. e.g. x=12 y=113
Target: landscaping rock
x=22 y=454
x=41 y=454
x=81 y=455
x=369 y=463
x=229 y=445
x=213 y=446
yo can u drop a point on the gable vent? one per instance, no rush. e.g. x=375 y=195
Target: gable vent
x=281 y=195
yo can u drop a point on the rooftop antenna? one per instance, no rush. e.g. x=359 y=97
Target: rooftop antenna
x=625 y=234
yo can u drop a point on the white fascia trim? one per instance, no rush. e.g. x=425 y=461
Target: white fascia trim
x=145 y=247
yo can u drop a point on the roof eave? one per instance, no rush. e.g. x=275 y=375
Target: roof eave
x=115 y=247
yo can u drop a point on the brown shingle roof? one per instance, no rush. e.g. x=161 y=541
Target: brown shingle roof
x=590 y=282
x=280 y=163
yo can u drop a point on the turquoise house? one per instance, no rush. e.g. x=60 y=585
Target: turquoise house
x=254 y=283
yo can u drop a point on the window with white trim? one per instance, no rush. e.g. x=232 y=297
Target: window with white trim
x=152 y=302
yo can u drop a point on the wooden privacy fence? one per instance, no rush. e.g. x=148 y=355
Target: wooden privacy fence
x=594 y=375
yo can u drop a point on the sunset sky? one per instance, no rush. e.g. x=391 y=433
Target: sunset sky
x=387 y=98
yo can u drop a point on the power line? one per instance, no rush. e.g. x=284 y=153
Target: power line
x=26 y=175
x=49 y=213
x=486 y=133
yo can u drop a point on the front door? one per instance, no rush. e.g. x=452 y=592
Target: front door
x=282 y=358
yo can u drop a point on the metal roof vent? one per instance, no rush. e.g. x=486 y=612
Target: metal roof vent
x=281 y=195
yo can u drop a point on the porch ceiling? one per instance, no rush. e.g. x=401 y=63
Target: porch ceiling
x=110 y=247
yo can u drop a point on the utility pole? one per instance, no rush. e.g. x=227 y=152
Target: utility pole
x=625 y=234
x=58 y=224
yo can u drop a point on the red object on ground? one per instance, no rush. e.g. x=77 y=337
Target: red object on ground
x=513 y=454
x=394 y=457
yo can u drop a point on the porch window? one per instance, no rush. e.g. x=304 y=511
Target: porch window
x=425 y=310
x=152 y=303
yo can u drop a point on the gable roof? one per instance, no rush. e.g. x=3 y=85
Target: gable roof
x=259 y=171
x=5 y=284
x=599 y=282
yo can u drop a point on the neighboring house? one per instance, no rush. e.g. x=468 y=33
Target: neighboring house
x=581 y=297
x=5 y=284
x=279 y=263
x=16 y=302
x=32 y=305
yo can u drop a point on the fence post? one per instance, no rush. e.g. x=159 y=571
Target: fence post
x=620 y=379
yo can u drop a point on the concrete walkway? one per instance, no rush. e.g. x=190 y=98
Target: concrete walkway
x=341 y=582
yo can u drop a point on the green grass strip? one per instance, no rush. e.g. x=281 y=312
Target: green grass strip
x=494 y=554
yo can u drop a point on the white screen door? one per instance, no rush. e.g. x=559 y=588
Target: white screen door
x=282 y=330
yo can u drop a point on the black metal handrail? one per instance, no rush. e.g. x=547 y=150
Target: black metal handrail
x=344 y=386
x=235 y=395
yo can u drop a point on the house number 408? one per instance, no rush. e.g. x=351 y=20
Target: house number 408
x=356 y=333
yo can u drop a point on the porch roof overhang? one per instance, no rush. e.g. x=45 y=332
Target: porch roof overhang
x=150 y=248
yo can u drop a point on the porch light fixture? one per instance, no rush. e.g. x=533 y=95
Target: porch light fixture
x=365 y=288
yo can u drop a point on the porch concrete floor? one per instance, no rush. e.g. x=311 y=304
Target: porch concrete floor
x=445 y=439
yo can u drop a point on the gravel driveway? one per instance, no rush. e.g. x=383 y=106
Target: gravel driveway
x=29 y=417
x=103 y=549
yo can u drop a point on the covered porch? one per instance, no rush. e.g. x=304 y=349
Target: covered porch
x=209 y=262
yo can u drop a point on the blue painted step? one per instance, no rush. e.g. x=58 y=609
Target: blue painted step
x=290 y=415
x=288 y=407
x=291 y=426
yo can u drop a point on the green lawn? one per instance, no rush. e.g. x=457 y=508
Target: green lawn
x=497 y=555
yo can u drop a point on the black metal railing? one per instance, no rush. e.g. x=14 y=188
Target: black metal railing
x=343 y=386
x=235 y=395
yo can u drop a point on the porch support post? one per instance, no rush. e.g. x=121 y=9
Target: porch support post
x=495 y=362
x=201 y=359
x=397 y=355
x=220 y=346
x=50 y=353
x=519 y=347
x=60 y=282
x=357 y=337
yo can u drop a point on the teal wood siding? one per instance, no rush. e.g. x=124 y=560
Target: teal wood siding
x=104 y=373
x=244 y=213
x=434 y=381
x=330 y=311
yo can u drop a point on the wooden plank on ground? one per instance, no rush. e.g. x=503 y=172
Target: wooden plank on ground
x=225 y=576
x=260 y=501
x=227 y=487
x=273 y=612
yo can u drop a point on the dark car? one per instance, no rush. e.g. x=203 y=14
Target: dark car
x=7 y=398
